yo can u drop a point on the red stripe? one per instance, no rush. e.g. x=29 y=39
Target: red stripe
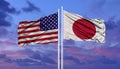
x=25 y=22
x=30 y=26
x=29 y=41
x=29 y=31
x=35 y=35
x=50 y=42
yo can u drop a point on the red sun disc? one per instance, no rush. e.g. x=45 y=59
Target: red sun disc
x=84 y=29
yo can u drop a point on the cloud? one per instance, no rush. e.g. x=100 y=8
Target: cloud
x=26 y=62
x=71 y=58
x=44 y=57
x=105 y=60
x=28 y=57
x=112 y=23
x=3 y=21
x=5 y=10
x=69 y=42
x=6 y=7
x=31 y=7
x=5 y=58
x=112 y=52
x=2 y=56
x=99 y=55
x=3 y=32
x=48 y=60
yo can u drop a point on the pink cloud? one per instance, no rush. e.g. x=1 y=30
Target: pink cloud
x=98 y=54
x=73 y=50
x=15 y=54
x=108 y=52
x=69 y=62
x=5 y=65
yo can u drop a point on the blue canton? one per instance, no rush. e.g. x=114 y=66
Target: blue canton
x=49 y=22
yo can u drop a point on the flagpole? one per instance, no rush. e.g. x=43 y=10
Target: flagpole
x=61 y=38
x=59 y=41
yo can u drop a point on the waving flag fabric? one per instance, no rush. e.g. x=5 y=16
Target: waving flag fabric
x=78 y=28
x=44 y=30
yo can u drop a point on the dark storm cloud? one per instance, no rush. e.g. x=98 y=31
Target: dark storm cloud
x=5 y=9
x=31 y=7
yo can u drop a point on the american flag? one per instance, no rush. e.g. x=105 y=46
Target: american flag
x=42 y=31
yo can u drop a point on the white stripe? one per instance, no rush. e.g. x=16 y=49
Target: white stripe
x=27 y=29
x=40 y=32
x=28 y=24
x=38 y=37
x=45 y=41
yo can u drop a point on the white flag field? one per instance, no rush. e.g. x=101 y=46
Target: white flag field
x=79 y=28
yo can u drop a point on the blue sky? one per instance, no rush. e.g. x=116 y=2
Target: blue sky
x=77 y=54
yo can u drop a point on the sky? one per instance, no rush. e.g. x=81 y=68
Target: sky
x=77 y=54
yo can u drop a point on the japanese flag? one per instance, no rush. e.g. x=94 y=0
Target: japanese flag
x=78 y=28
